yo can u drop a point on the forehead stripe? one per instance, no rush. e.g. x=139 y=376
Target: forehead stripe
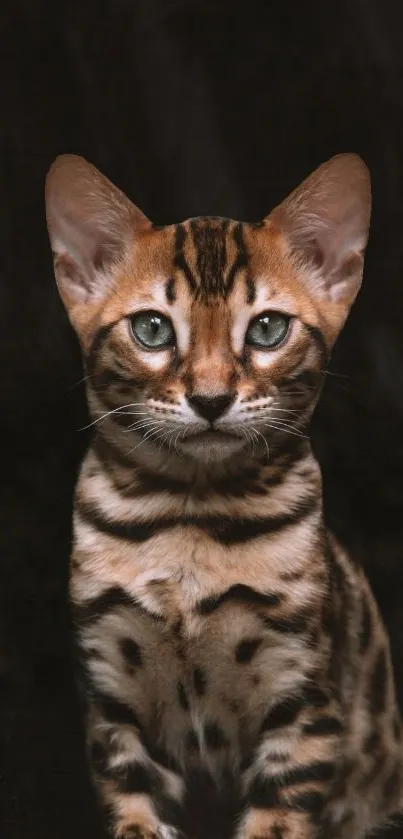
x=210 y=244
x=241 y=259
x=170 y=290
x=179 y=260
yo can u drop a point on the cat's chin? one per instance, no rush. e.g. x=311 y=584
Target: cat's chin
x=211 y=445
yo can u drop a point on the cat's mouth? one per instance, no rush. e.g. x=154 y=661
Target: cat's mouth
x=218 y=443
x=211 y=436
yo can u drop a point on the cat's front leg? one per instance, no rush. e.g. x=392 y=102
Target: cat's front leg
x=291 y=779
x=141 y=797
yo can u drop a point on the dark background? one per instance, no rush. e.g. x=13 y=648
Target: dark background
x=192 y=107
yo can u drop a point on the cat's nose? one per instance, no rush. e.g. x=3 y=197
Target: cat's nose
x=211 y=407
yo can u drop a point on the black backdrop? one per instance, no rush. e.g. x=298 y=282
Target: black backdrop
x=192 y=107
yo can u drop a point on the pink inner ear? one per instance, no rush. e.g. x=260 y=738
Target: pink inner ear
x=325 y=223
x=351 y=265
x=314 y=253
x=90 y=224
x=72 y=281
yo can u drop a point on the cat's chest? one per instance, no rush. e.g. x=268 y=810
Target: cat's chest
x=203 y=639
x=201 y=680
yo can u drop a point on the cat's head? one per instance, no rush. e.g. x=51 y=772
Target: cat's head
x=209 y=336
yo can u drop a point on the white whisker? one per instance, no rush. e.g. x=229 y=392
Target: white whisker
x=112 y=411
x=259 y=433
x=286 y=410
x=337 y=375
x=254 y=439
x=248 y=436
x=80 y=381
x=165 y=436
x=145 y=437
x=135 y=426
x=176 y=440
x=280 y=427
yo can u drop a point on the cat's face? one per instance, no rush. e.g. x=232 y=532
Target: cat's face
x=210 y=336
x=213 y=344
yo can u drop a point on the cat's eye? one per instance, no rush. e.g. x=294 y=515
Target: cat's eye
x=153 y=330
x=267 y=330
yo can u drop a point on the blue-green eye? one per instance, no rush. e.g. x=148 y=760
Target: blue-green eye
x=153 y=330
x=267 y=330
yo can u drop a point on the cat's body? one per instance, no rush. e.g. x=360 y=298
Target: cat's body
x=235 y=665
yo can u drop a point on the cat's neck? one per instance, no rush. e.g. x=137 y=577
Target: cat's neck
x=287 y=470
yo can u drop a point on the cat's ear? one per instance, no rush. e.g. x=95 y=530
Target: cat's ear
x=325 y=224
x=91 y=226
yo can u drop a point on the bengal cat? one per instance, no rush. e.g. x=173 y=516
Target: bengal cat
x=236 y=670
